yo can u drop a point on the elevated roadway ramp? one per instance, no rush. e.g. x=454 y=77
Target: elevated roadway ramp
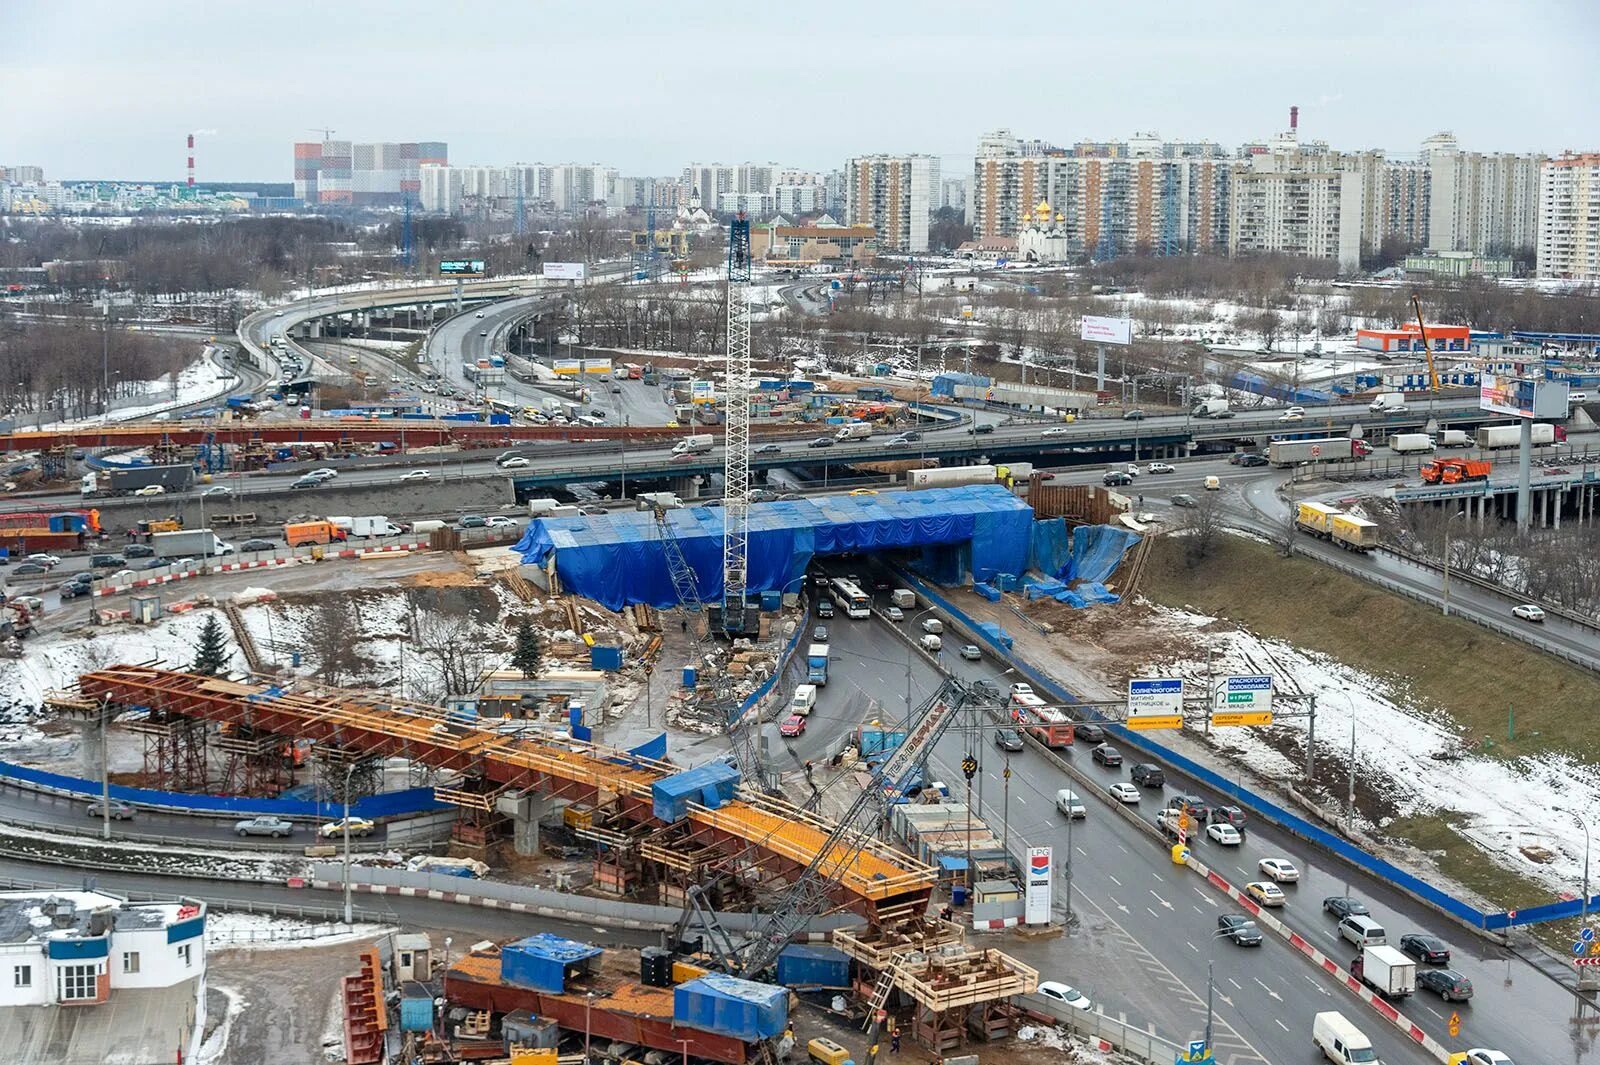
x=869 y=878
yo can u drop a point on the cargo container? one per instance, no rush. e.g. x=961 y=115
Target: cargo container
x=813 y=965
x=545 y=962
x=1282 y=453
x=1454 y=438
x=728 y=1005
x=132 y=478
x=1353 y=533
x=1410 y=443
x=201 y=543
x=1492 y=437
x=817 y=664
x=950 y=477
x=1315 y=518
x=1387 y=971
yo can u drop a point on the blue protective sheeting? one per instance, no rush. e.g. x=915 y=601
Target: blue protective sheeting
x=617 y=559
x=1051 y=552
x=993 y=630
x=945 y=383
x=710 y=785
x=728 y=1005
x=988 y=591
x=813 y=965
x=1097 y=550
x=541 y=961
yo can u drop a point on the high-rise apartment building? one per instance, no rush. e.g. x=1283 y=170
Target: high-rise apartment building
x=1483 y=203
x=1394 y=199
x=1569 y=217
x=350 y=174
x=1297 y=203
x=713 y=181
x=893 y=194
x=22 y=175
x=441 y=189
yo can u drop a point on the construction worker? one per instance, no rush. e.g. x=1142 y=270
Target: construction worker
x=894 y=1037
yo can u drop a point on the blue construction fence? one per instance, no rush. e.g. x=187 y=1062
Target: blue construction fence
x=1260 y=805
x=784 y=658
x=387 y=804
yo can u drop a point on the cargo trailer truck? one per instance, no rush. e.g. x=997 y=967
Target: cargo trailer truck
x=1410 y=443
x=950 y=476
x=172 y=478
x=1282 y=453
x=200 y=543
x=1388 y=972
x=817 y=664
x=1493 y=437
x=698 y=444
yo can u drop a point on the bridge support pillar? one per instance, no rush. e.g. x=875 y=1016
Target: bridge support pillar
x=525 y=812
x=687 y=487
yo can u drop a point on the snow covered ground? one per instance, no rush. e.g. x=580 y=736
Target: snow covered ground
x=1504 y=804
x=259 y=931
x=201 y=380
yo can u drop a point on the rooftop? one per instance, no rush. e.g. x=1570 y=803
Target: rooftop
x=32 y=916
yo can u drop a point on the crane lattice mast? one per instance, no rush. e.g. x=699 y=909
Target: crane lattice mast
x=736 y=435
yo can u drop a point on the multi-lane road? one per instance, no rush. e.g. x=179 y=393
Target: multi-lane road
x=1146 y=934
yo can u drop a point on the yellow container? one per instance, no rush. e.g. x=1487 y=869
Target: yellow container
x=827 y=1051
x=683 y=972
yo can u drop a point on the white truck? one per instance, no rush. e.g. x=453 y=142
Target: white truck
x=1410 y=443
x=696 y=444
x=1492 y=437
x=200 y=543
x=88 y=484
x=1212 y=408
x=1386 y=401
x=1388 y=972
x=950 y=476
x=657 y=501
x=1454 y=438
x=367 y=525
x=854 y=431
x=904 y=598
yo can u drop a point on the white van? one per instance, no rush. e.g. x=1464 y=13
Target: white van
x=933 y=625
x=1342 y=1042
x=930 y=643
x=1069 y=803
x=805 y=697
x=1363 y=931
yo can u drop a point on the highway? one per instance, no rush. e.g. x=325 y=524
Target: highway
x=1146 y=925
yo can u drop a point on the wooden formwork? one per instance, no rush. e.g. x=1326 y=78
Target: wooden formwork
x=1080 y=504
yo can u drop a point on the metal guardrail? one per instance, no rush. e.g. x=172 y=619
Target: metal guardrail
x=1516 y=632
x=1457 y=574
x=332 y=914
x=255 y=845
x=1140 y=1043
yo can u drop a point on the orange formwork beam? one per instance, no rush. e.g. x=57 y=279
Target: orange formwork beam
x=867 y=875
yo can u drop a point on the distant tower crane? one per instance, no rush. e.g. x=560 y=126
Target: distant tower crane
x=736 y=432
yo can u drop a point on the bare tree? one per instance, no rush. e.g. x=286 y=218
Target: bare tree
x=454 y=649
x=331 y=637
x=1202 y=526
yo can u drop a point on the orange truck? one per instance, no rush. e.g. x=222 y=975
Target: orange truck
x=304 y=533
x=1455 y=471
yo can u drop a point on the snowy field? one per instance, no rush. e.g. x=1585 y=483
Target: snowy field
x=1419 y=763
x=259 y=931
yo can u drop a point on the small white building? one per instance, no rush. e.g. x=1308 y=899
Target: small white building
x=78 y=948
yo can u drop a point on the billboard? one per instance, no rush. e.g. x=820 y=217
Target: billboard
x=701 y=392
x=1098 y=330
x=564 y=271
x=1036 y=899
x=1521 y=397
x=1243 y=701
x=1155 y=703
x=461 y=267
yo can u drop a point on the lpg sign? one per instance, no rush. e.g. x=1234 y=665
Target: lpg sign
x=1037 y=898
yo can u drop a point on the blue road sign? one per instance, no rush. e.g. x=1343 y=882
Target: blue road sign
x=1580 y=948
x=1586 y=935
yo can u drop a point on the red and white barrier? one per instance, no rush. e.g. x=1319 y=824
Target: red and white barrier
x=261 y=563
x=995 y=924
x=1379 y=1004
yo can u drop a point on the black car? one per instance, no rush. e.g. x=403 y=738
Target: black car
x=1008 y=739
x=1088 y=733
x=985 y=427
x=471 y=521
x=825 y=609
x=107 y=562
x=911 y=437
x=1423 y=947
x=1107 y=755
x=73 y=589
x=1252 y=460
x=1342 y=906
x=1195 y=806
x=1148 y=776
x=258 y=545
x=1184 y=500
x=306 y=482
x=1112 y=480
x=1446 y=983
x=138 y=551
x=1231 y=815
x=30 y=569
x=1134 y=415
x=1241 y=929
x=820 y=634
x=821 y=441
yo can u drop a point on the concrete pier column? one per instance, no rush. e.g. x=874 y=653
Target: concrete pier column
x=525 y=812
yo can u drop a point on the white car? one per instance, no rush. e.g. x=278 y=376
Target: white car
x=1291 y=416
x=43 y=559
x=1134 y=470
x=1020 y=688
x=324 y=474
x=1481 y=1056
x=499 y=521
x=1224 y=834
x=895 y=614
x=1122 y=791
x=1577 y=397
x=218 y=490
x=1161 y=467
x=1295 y=410
x=515 y=462
x=34 y=604
x=415 y=475
x=151 y=490
x=1280 y=869
x=1065 y=994
x=478 y=315
x=1057 y=430
x=1528 y=612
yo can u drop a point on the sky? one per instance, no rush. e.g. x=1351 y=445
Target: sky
x=110 y=90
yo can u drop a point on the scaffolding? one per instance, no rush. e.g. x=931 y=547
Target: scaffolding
x=254 y=763
x=174 y=751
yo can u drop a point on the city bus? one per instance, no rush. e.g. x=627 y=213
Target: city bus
x=852 y=600
x=1044 y=723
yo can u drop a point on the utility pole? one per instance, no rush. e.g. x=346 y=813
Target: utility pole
x=348 y=769
x=1311 y=744
x=105 y=770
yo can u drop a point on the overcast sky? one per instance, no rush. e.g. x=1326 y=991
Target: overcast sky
x=94 y=89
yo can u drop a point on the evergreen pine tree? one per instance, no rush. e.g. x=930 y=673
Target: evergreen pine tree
x=212 y=656
x=526 y=655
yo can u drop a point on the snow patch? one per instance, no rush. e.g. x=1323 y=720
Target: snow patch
x=256 y=931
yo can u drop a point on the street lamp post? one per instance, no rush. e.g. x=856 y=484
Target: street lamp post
x=1447 y=522
x=105 y=771
x=348 y=770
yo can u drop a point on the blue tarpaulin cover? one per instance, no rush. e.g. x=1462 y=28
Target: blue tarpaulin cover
x=945 y=383
x=1097 y=550
x=813 y=965
x=993 y=630
x=1052 y=549
x=728 y=1005
x=617 y=559
x=541 y=961
x=988 y=591
x=710 y=785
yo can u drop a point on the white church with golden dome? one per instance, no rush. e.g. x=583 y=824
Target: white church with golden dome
x=1043 y=237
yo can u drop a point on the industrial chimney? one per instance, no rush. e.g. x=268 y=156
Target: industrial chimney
x=1294 y=120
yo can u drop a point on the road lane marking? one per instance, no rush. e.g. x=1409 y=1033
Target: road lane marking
x=1280 y=1024
x=1110 y=877
x=1193 y=947
x=1237 y=985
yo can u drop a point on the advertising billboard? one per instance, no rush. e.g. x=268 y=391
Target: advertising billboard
x=701 y=392
x=1521 y=397
x=1155 y=703
x=1099 y=330
x=1243 y=701
x=1036 y=899
x=564 y=271
x=461 y=267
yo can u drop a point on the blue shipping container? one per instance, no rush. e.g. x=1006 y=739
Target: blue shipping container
x=606 y=658
x=813 y=965
x=541 y=961
x=729 y=1006
x=416 y=1009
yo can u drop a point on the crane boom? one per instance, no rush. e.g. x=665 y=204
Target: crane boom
x=736 y=432
x=1427 y=348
